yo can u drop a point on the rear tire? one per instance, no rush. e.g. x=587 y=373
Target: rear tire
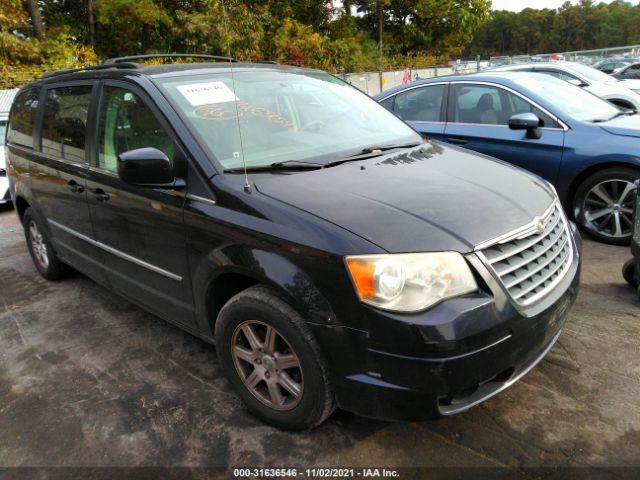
x=284 y=381
x=42 y=253
x=603 y=204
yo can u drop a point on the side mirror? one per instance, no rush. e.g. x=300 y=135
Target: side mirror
x=147 y=167
x=576 y=82
x=526 y=121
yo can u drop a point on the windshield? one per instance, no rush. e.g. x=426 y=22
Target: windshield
x=569 y=101
x=273 y=117
x=591 y=74
x=3 y=130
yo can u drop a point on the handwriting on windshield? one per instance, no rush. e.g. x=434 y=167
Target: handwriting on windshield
x=230 y=112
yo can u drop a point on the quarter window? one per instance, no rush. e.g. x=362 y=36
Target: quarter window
x=421 y=104
x=64 y=126
x=23 y=115
x=127 y=123
x=388 y=103
x=489 y=105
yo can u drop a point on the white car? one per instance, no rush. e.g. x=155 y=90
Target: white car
x=6 y=99
x=4 y=180
x=593 y=80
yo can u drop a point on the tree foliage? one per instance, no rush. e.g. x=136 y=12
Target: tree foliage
x=316 y=33
x=583 y=26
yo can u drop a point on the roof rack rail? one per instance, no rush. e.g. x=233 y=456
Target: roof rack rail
x=117 y=60
x=269 y=62
x=102 y=66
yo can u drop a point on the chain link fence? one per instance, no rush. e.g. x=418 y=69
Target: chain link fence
x=373 y=83
x=369 y=82
x=588 y=57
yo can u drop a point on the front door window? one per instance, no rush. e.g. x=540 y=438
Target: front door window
x=127 y=123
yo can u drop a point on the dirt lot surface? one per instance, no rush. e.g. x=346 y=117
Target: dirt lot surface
x=87 y=379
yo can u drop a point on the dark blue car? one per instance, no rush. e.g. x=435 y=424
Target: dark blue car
x=586 y=147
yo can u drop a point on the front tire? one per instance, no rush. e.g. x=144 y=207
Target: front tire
x=272 y=361
x=603 y=204
x=42 y=253
x=629 y=272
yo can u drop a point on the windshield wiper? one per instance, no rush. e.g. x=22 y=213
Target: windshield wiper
x=383 y=148
x=286 y=165
x=370 y=152
x=619 y=114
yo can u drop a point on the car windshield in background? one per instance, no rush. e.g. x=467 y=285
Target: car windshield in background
x=592 y=74
x=3 y=131
x=273 y=117
x=571 y=101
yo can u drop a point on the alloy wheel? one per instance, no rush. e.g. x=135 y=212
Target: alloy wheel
x=608 y=208
x=38 y=245
x=267 y=365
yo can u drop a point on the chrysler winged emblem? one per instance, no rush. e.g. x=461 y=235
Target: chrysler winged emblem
x=539 y=225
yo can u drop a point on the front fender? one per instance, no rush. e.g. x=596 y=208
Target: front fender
x=269 y=268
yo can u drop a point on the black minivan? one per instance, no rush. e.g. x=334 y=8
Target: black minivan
x=335 y=257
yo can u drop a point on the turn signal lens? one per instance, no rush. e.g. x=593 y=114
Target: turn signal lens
x=409 y=282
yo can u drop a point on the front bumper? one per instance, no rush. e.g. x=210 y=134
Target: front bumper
x=445 y=360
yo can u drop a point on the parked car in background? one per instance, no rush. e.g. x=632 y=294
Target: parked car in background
x=6 y=98
x=585 y=146
x=584 y=76
x=333 y=256
x=630 y=71
x=612 y=65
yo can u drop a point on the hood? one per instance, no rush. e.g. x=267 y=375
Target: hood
x=602 y=89
x=631 y=83
x=628 y=126
x=432 y=198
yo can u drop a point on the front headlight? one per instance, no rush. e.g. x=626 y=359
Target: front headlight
x=409 y=282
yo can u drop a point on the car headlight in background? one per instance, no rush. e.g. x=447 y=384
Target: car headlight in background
x=409 y=282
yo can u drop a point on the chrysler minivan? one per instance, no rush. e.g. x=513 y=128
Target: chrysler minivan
x=333 y=256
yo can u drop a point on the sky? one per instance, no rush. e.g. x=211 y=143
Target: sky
x=517 y=5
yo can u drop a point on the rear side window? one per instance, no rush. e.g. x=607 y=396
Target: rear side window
x=23 y=115
x=421 y=104
x=64 y=126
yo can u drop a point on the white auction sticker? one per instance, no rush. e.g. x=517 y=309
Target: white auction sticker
x=207 y=93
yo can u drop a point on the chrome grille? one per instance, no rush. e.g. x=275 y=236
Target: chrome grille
x=530 y=265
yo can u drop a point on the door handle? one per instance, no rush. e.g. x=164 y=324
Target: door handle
x=100 y=194
x=457 y=140
x=75 y=187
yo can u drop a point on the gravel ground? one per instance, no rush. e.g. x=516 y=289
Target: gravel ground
x=89 y=380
